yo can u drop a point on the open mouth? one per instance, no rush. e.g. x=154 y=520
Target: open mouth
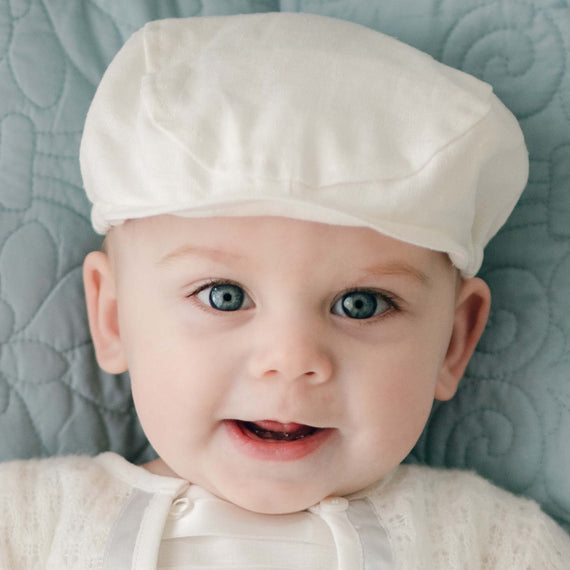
x=274 y=431
x=275 y=441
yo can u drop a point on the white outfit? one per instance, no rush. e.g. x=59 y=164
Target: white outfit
x=105 y=513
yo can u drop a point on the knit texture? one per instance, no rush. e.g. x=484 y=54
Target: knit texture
x=456 y=519
x=56 y=513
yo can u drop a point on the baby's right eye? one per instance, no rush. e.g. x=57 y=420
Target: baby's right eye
x=224 y=297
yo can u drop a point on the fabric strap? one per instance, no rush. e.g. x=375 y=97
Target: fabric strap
x=125 y=531
x=376 y=550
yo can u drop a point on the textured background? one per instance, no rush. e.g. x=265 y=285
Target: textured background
x=511 y=418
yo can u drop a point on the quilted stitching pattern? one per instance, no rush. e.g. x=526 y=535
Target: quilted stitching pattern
x=511 y=417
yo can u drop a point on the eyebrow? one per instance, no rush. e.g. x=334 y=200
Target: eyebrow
x=184 y=251
x=398 y=268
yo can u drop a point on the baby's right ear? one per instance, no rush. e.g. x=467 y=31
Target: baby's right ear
x=102 y=310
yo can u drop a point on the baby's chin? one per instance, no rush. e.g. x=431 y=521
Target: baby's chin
x=281 y=499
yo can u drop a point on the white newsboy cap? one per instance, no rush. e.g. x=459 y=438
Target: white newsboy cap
x=303 y=116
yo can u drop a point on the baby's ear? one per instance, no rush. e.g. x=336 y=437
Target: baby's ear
x=101 y=298
x=471 y=313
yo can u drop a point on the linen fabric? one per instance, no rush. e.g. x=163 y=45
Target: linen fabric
x=103 y=512
x=304 y=116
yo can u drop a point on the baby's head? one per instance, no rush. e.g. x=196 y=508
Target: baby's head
x=295 y=208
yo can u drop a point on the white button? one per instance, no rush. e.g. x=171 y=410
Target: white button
x=334 y=504
x=180 y=507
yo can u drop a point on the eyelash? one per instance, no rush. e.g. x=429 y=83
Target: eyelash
x=389 y=298
x=212 y=283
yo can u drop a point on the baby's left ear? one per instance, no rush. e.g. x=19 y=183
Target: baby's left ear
x=471 y=314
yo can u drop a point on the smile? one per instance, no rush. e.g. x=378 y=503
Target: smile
x=275 y=441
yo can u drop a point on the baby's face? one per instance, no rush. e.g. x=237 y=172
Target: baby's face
x=276 y=362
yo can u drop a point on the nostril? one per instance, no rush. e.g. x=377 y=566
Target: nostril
x=274 y=373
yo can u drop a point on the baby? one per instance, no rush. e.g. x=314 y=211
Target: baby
x=295 y=208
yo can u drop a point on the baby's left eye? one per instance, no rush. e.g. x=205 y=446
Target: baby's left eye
x=361 y=305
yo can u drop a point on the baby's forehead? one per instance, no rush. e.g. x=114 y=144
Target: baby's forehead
x=167 y=238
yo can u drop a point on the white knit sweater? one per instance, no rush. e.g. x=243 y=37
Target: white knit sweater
x=97 y=513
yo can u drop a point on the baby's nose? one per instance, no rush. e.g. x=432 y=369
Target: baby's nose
x=292 y=351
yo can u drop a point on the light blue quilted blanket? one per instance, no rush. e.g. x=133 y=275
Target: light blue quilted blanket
x=510 y=420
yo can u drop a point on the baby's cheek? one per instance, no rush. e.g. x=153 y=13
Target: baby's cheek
x=395 y=408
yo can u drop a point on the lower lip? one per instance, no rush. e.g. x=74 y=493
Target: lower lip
x=272 y=450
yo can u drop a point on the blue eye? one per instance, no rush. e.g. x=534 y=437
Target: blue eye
x=361 y=305
x=224 y=297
